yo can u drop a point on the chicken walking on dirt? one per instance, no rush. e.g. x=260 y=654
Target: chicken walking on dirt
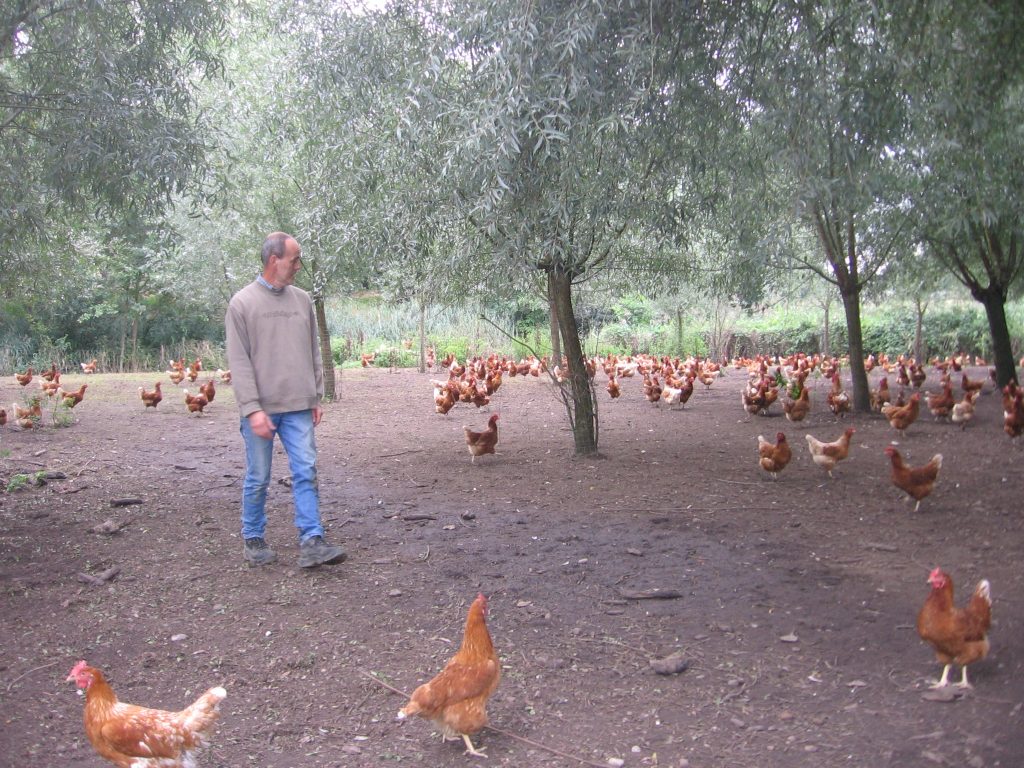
x=151 y=397
x=827 y=455
x=480 y=443
x=773 y=457
x=456 y=699
x=130 y=736
x=916 y=482
x=959 y=635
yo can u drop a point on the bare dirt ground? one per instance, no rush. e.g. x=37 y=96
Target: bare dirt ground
x=796 y=607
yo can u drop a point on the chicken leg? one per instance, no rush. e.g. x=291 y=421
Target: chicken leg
x=963 y=679
x=943 y=681
x=470 y=749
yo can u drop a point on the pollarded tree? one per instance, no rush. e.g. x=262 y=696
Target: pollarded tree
x=570 y=114
x=372 y=204
x=823 y=106
x=966 y=158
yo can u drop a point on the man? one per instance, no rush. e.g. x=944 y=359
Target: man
x=277 y=374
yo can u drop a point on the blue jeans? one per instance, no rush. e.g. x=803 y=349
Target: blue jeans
x=295 y=429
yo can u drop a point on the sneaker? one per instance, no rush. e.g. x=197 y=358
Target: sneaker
x=258 y=552
x=315 y=551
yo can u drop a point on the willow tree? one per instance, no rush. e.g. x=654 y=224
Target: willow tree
x=98 y=107
x=372 y=208
x=568 y=114
x=966 y=158
x=823 y=106
x=98 y=122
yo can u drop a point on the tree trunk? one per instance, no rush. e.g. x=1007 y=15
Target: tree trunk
x=135 y=345
x=920 y=308
x=325 y=348
x=556 y=344
x=423 y=337
x=124 y=342
x=861 y=393
x=582 y=415
x=679 y=333
x=826 y=342
x=994 y=302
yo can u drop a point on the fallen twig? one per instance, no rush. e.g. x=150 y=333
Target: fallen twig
x=125 y=502
x=101 y=578
x=655 y=593
x=25 y=674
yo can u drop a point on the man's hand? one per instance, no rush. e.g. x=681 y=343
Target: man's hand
x=261 y=425
x=318 y=412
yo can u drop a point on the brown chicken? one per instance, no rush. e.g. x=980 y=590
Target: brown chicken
x=774 y=458
x=71 y=399
x=151 y=398
x=195 y=403
x=963 y=411
x=138 y=737
x=34 y=410
x=480 y=443
x=613 y=387
x=89 y=367
x=445 y=396
x=797 y=410
x=50 y=386
x=3 y=417
x=1013 y=414
x=838 y=399
x=917 y=375
x=209 y=390
x=959 y=635
x=176 y=375
x=827 y=455
x=24 y=378
x=652 y=389
x=880 y=396
x=971 y=385
x=941 y=404
x=456 y=699
x=902 y=416
x=916 y=482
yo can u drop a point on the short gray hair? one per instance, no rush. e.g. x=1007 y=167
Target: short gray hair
x=274 y=246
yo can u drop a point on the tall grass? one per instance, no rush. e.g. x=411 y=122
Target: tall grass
x=391 y=331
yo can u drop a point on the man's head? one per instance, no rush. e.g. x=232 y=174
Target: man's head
x=282 y=259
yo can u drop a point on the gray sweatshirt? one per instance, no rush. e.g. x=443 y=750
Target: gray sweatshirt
x=273 y=350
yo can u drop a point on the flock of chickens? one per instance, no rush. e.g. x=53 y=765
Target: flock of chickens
x=30 y=415
x=130 y=736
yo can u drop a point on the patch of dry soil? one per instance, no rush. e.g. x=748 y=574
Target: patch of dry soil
x=795 y=610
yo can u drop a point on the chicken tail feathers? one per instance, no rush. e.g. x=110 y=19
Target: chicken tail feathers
x=204 y=711
x=984 y=591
